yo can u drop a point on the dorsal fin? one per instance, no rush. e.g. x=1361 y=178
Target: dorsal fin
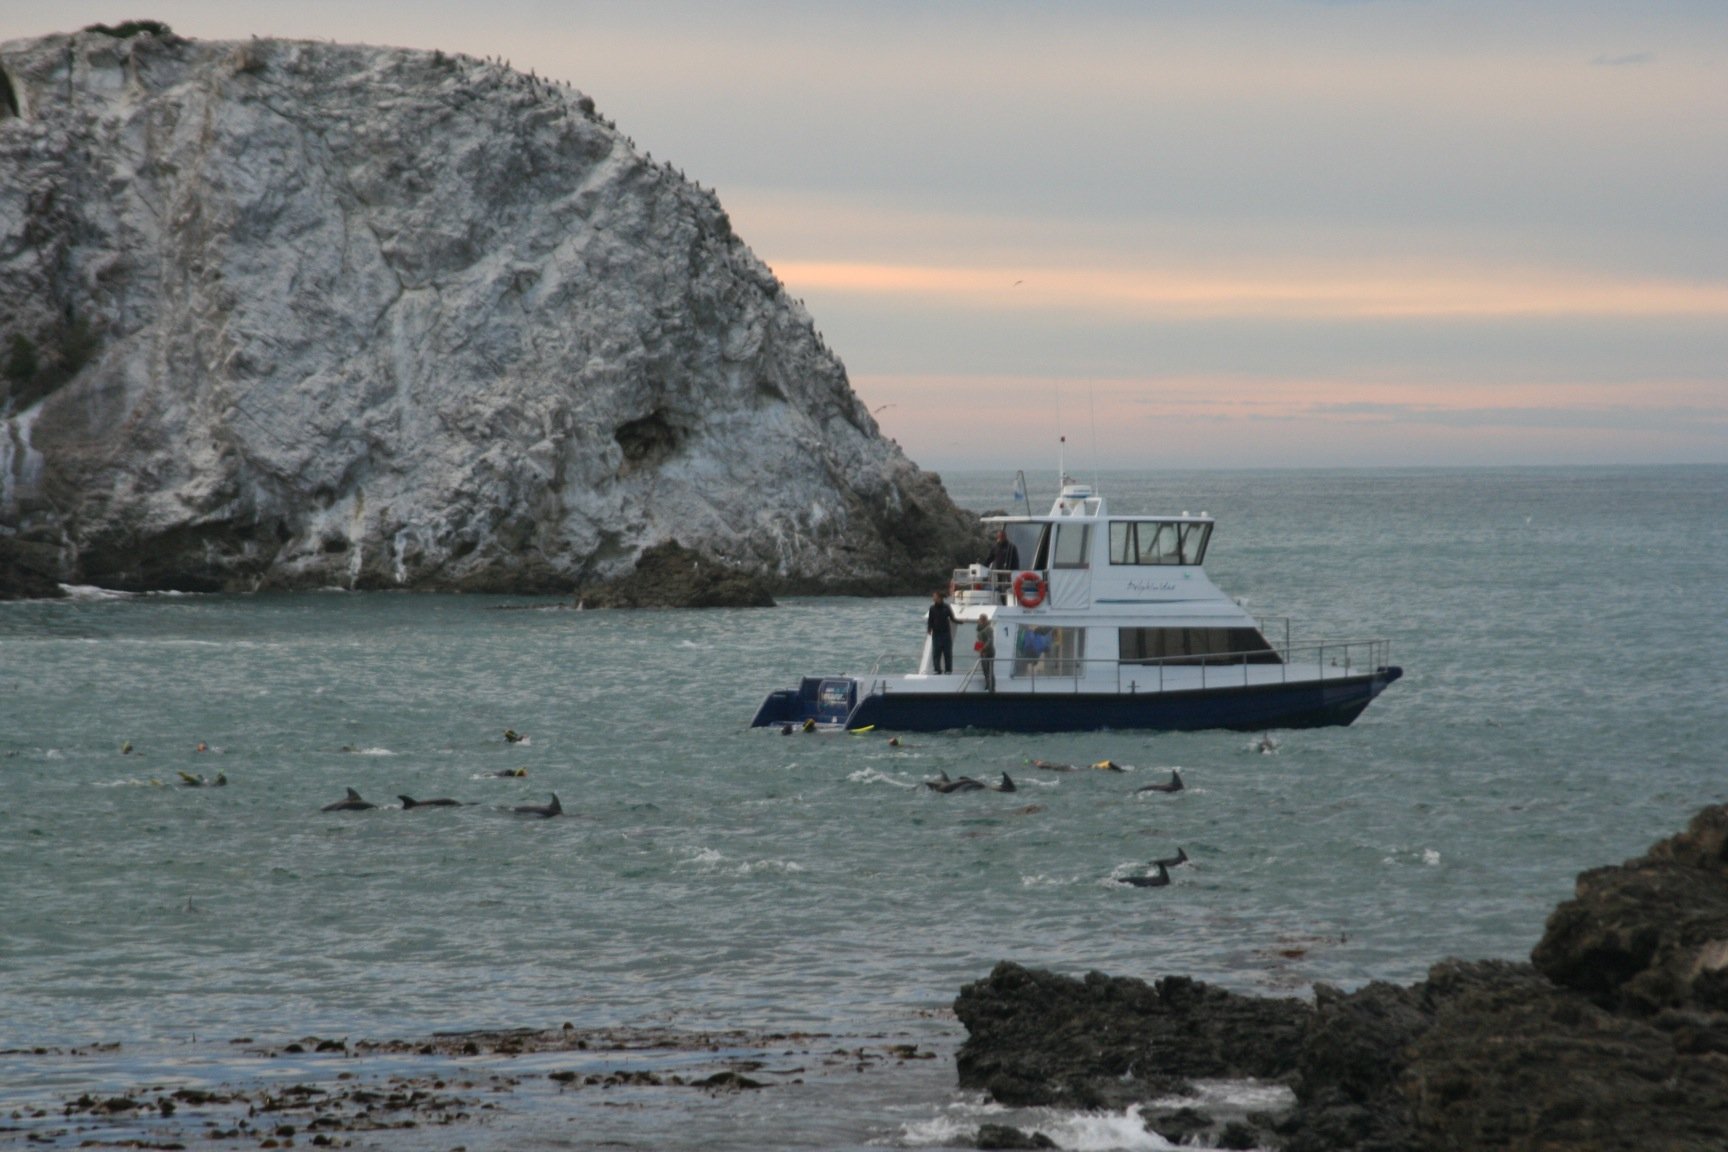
x=353 y=795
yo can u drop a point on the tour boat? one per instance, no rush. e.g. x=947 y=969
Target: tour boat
x=1111 y=623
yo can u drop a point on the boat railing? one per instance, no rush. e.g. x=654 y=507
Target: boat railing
x=1316 y=661
x=981 y=585
x=894 y=664
x=1273 y=627
x=1319 y=660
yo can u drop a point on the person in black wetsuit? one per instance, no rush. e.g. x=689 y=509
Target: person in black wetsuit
x=940 y=627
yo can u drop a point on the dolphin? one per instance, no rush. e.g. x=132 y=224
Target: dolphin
x=542 y=810
x=1181 y=857
x=442 y=802
x=1174 y=785
x=945 y=786
x=350 y=803
x=1007 y=785
x=1158 y=881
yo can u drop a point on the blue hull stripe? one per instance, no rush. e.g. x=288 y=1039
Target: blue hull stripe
x=1306 y=705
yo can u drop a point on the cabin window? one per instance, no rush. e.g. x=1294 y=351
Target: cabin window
x=1028 y=541
x=1196 y=646
x=1072 y=551
x=1157 y=542
x=1194 y=538
x=1047 y=651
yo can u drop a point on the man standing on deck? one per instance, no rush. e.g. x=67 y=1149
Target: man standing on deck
x=1003 y=554
x=940 y=627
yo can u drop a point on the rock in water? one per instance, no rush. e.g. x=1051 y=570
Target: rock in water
x=1614 y=1038
x=279 y=314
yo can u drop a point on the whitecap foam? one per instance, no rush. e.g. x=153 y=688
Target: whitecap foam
x=782 y=866
x=873 y=776
x=90 y=592
x=1076 y=1131
x=1238 y=1095
x=937 y=1132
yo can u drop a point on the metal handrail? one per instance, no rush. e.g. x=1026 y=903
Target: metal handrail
x=1345 y=655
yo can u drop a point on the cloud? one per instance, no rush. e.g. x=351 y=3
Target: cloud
x=1628 y=60
x=974 y=421
x=1321 y=292
x=1623 y=417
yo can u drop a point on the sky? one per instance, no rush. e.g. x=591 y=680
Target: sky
x=1221 y=234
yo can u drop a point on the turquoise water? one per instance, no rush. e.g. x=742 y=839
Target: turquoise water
x=1562 y=631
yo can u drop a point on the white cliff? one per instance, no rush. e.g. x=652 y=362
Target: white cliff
x=281 y=314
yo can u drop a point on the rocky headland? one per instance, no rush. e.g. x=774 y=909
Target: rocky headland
x=1614 y=1036
x=280 y=314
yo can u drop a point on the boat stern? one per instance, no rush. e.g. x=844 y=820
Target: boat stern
x=824 y=699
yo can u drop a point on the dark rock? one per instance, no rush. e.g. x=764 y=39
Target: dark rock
x=1004 y=1136
x=672 y=576
x=1035 y=1038
x=1238 y=1135
x=729 y=1081
x=28 y=570
x=1615 y=1038
x=1180 y=1126
x=1652 y=933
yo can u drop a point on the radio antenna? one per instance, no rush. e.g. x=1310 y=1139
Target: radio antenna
x=1092 y=406
x=1061 y=443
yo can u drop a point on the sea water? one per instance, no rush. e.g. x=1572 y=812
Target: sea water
x=1563 y=634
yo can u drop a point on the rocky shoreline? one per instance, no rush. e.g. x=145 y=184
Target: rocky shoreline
x=467 y=1086
x=1613 y=1036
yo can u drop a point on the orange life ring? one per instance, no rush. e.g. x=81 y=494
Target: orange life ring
x=1029 y=589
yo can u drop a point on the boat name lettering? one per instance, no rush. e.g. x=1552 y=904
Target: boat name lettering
x=1151 y=586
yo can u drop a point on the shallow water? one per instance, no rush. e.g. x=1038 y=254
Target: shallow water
x=1562 y=633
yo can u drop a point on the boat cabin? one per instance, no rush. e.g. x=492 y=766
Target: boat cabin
x=1092 y=591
